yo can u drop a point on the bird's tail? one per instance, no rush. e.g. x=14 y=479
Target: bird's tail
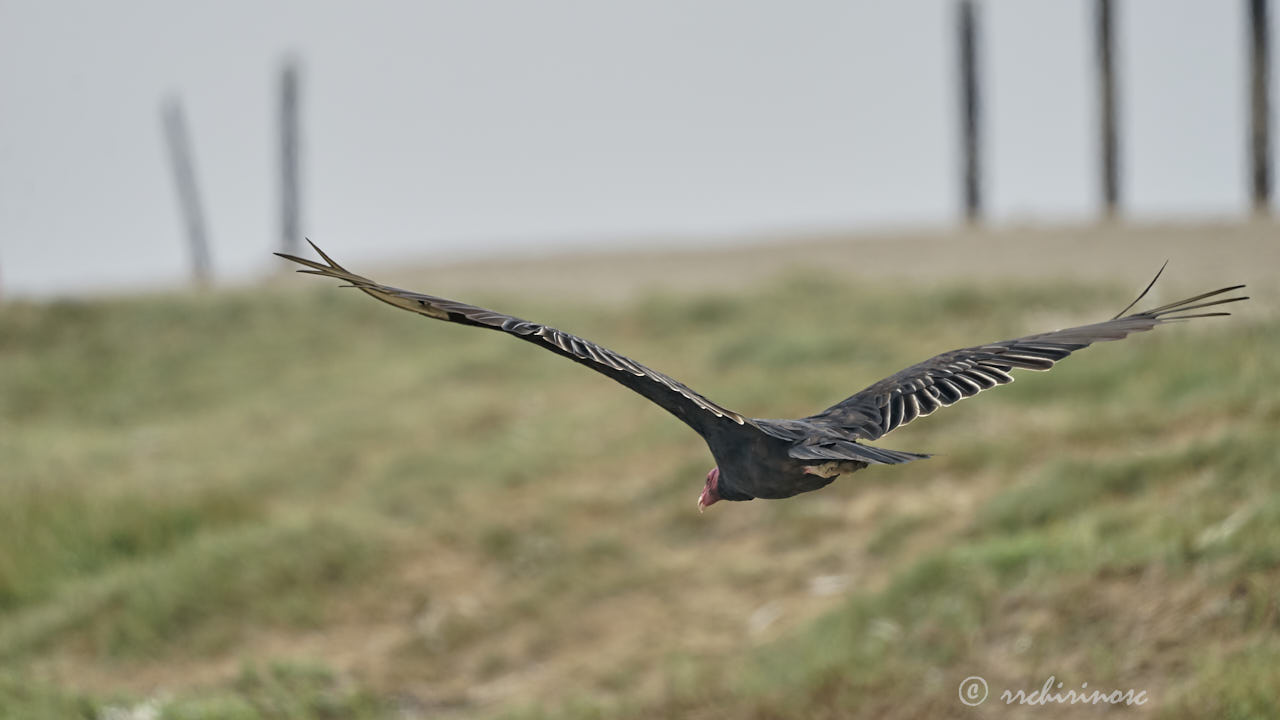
x=848 y=450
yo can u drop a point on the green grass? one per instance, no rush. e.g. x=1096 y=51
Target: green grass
x=302 y=504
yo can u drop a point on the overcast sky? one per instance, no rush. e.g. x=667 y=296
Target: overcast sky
x=460 y=127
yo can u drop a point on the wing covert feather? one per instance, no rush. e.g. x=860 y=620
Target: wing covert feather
x=691 y=407
x=948 y=378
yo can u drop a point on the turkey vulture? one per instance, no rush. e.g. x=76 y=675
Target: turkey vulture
x=761 y=458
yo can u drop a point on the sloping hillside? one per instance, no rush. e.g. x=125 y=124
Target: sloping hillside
x=293 y=502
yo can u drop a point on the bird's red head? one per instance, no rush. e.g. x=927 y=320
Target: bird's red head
x=710 y=493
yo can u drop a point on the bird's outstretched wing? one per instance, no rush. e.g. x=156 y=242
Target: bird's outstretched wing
x=695 y=410
x=952 y=376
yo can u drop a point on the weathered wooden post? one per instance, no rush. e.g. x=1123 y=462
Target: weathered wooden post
x=1260 y=107
x=970 y=113
x=175 y=127
x=290 y=232
x=1107 y=110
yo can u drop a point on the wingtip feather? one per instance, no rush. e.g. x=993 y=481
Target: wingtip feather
x=331 y=261
x=1144 y=292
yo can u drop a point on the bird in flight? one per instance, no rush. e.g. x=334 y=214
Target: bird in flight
x=765 y=458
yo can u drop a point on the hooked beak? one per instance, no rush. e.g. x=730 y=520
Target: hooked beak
x=705 y=499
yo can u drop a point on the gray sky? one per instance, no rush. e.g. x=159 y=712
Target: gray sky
x=463 y=127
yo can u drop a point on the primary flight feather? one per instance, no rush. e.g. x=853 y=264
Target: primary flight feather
x=763 y=458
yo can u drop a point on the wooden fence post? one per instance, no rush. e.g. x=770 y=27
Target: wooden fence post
x=1107 y=110
x=1260 y=108
x=290 y=233
x=970 y=112
x=184 y=176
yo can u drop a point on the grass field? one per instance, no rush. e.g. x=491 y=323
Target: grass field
x=293 y=502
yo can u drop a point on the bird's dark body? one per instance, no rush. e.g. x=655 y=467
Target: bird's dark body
x=759 y=467
x=764 y=458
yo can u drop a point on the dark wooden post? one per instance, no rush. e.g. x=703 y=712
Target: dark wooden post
x=1260 y=109
x=184 y=176
x=290 y=233
x=1107 y=110
x=971 y=177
